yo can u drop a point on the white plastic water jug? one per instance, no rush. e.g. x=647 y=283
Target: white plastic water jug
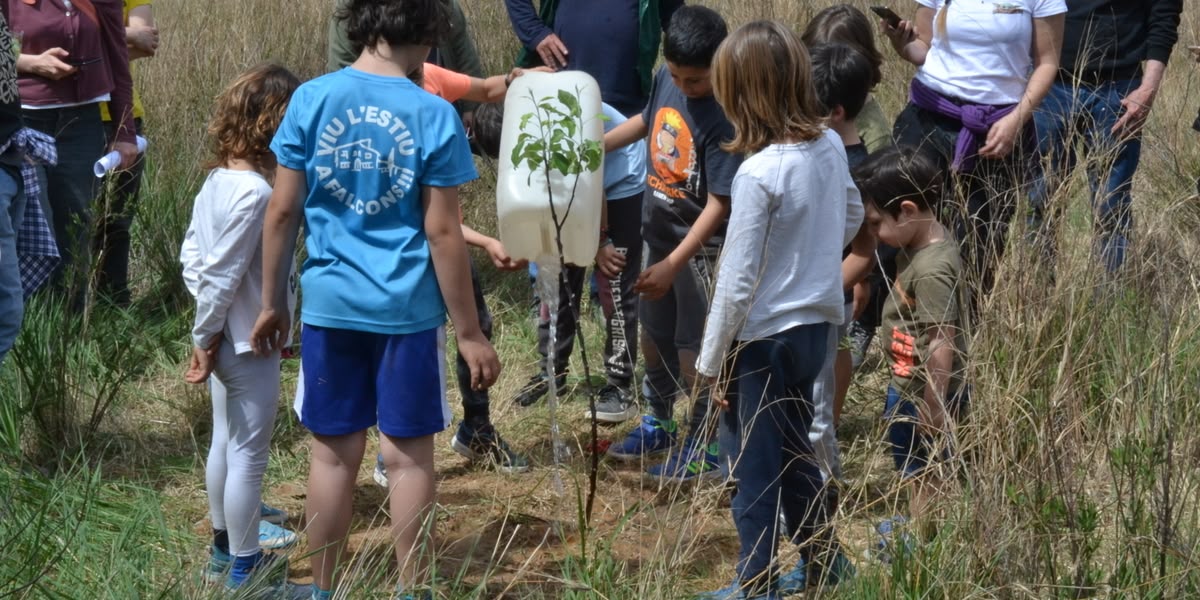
x=523 y=198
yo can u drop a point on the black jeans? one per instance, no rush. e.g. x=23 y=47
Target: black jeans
x=117 y=204
x=475 y=402
x=70 y=188
x=617 y=299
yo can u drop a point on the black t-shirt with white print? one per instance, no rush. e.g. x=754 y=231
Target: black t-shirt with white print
x=685 y=163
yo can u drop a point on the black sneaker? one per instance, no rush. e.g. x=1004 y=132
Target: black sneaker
x=484 y=443
x=615 y=405
x=537 y=387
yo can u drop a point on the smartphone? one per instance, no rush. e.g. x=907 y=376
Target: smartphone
x=75 y=62
x=888 y=15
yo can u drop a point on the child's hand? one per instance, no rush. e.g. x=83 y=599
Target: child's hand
x=270 y=331
x=501 y=259
x=143 y=38
x=655 y=281
x=481 y=358
x=203 y=362
x=609 y=262
x=716 y=392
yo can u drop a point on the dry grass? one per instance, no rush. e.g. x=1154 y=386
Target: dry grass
x=1079 y=456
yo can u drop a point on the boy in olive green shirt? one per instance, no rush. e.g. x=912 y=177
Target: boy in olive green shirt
x=922 y=318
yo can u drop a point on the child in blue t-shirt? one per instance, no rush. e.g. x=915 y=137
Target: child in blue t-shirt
x=372 y=163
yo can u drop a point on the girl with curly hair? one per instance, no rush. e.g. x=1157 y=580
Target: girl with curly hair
x=222 y=265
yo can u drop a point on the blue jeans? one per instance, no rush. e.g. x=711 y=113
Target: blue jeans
x=769 y=417
x=12 y=304
x=1088 y=112
x=910 y=448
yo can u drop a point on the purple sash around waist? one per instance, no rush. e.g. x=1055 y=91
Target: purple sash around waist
x=976 y=120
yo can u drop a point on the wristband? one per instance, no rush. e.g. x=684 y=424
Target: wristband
x=605 y=241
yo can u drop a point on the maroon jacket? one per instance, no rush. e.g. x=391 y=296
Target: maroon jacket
x=46 y=24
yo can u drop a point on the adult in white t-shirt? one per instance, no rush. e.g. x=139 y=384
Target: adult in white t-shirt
x=983 y=68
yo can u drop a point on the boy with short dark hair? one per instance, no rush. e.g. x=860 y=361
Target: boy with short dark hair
x=688 y=182
x=842 y=82
x=922 y=320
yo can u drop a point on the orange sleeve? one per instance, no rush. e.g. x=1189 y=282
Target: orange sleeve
x=451 y=86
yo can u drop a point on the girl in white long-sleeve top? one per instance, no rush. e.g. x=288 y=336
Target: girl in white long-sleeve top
x=222 y=266
x=778 y=291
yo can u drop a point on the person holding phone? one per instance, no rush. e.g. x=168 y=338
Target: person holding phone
x=983 y=69
x=1114 y=57
x=73 y=57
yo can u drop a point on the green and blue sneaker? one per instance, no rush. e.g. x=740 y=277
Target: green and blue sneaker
x=653 y=436
x=693 y=462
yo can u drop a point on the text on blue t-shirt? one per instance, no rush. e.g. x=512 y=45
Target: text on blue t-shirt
x=367 y=144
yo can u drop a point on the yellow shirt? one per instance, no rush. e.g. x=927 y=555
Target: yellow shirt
x=137 y=99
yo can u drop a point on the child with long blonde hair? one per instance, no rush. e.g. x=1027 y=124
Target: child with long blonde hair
x=222 y=265
x=778 y=292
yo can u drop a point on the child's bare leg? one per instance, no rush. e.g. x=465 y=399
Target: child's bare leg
x=331 y=477
x=925 y=493
x=411 y=495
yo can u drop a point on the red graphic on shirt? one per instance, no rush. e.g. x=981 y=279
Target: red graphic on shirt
x=904 y=350
x=672 y=154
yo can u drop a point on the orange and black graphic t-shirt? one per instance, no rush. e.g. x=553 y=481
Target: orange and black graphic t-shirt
x=925 y=295
x=685 y=163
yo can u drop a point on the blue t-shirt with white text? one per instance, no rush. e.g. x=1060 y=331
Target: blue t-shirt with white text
x=367 y=144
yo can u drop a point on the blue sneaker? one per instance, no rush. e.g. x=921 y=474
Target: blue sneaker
x=734 y=592
x=274 y=537
x=795 y=580
x=652 y=437
x=894 y=540
x=274 y=515
x=693 y=462
x=266 y=574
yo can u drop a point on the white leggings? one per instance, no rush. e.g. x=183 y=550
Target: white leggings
x=245 y=396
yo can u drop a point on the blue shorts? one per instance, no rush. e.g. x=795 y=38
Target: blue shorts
x=351 y=380
x=912 y=450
